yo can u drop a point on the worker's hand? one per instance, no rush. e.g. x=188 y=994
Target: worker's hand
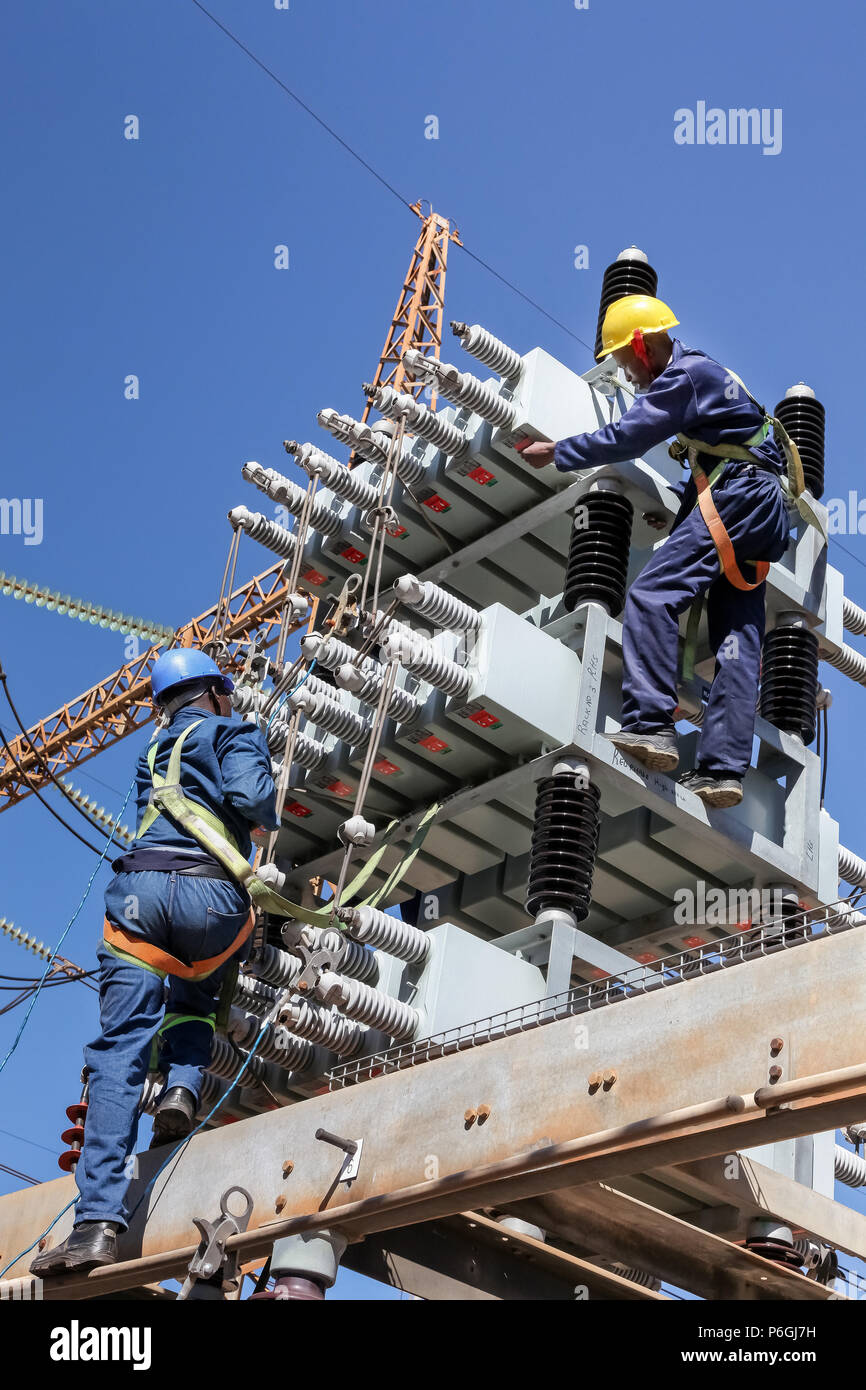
x=537 y=453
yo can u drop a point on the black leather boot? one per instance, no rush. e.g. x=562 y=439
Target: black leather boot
x=91 y=1243
x=175 y=1116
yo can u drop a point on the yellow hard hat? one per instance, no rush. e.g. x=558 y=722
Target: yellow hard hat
x=633 y=311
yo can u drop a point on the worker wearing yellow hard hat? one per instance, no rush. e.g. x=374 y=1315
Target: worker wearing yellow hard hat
x=741 y=525
x=628 y=319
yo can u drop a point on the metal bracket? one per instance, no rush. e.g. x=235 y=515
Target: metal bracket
x=210 y=1259
x=351 y=1148
x=315 y=962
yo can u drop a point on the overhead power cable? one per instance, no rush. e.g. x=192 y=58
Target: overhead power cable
x=380 y=178
x=94 y=825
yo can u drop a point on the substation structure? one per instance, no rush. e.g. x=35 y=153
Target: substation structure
x=609 y=1042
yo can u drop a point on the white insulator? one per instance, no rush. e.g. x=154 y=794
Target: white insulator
x=350 y=957
x=255 y=995
x=852 y=869
x=357 y=831
x=246 y=698
x=422 y=659
x=327 y=1027
x=329 y=652
x=308 y=752
x=327 y=713
x=281 y=489
x=344 y=482
x=369 y=1006
x=851 y=663
x=275 y=1042
x=267 y=533
x=853 y=616
x=410 y=468
x=495 y=354
x=419 y=420
x=850 y=1168
x=375 y=928
x=856 y=1133
x=226 y=1061
x=276 y=966
x=335 y=423
x=367 y=685
x=462 y=388
x=360 y=437
x=437 y=604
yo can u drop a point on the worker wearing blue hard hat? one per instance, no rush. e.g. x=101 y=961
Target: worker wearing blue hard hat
x=175 y=920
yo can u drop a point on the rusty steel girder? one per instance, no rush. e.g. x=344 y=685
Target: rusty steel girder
x=666 y=1077
x=118 y=705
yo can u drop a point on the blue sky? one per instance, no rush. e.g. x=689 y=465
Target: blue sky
x=155 y=257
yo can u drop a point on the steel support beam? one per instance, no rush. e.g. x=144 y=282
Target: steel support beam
x=474 y=1258
x=621 y=1228
x=673 y=1056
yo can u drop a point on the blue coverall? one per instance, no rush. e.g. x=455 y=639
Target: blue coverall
x=697 y=397
x=225 y=766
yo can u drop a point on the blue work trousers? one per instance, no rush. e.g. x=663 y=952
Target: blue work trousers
x=192 y=918
x=752 y=506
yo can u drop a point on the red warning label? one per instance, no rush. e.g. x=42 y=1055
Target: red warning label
x=295 y=808
x=387 y=768
x=355 y=557
x=434 y=744
x=338 y=788
x=482 y=476
x=435 y=502
x=312 y=576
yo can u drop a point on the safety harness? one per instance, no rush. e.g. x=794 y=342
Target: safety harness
x=166 y=798
x=793 y=485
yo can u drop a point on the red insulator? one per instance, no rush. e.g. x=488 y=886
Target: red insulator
x=75 y=1135
x=68 y=1160
x=77 y=1112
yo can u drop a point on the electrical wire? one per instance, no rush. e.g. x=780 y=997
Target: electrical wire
x=40 y=797
x=66 y=931
x=94 y=825
x=380 y=178
x=22 y=1177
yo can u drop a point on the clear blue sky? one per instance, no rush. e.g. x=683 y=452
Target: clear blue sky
x=156 y=257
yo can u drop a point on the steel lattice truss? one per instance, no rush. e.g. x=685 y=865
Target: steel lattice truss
x=417 y=321
x=118 y=705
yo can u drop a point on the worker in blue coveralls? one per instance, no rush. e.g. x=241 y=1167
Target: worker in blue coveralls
x=175 y=919
x=682 y=391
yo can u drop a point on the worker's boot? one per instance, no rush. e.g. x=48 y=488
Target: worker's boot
x=716 y=789
x=657 y=751
x=175 y=1116
x=90 y=1244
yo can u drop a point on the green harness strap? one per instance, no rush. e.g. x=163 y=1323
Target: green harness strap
x=209 y=832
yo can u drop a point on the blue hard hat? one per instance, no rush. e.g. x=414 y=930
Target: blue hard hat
x=184 y=664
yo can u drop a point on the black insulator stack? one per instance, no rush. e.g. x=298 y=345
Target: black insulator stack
x=802 y=414
x=598 y=552
x=630 y=273
x=789 y=681
x=564 y=844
